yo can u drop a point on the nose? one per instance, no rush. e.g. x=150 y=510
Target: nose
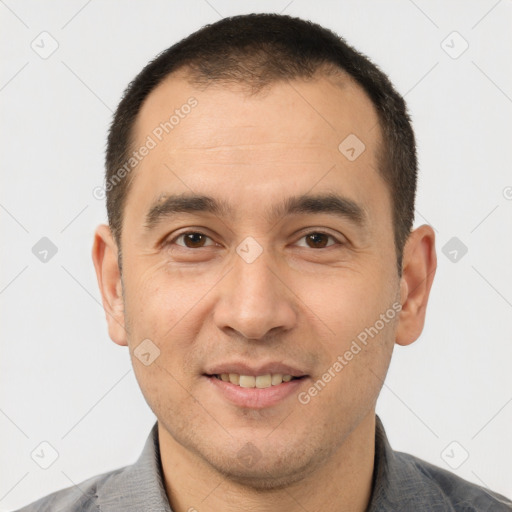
x=254 y=300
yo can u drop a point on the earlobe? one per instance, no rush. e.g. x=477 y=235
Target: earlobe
x=104 y=256
x=419 y=266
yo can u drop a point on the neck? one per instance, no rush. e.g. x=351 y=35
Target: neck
x=343 y=482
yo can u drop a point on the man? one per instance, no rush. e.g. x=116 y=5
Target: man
x=260 y=265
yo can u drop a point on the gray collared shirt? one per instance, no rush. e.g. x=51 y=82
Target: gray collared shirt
x=401 y=482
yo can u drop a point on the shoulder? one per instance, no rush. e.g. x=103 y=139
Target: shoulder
x=129 y=488
x=457 y=493
x=81 y=497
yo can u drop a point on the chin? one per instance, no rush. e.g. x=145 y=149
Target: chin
x=265 y=478
x=273 y=470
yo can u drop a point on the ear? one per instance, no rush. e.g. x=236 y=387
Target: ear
x=419 y=265
x=104 y=256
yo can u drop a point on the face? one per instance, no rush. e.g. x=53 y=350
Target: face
x=251 y=288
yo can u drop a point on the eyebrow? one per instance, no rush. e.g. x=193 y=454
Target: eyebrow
x=331 y=203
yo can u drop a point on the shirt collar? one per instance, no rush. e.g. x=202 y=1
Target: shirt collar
x=139 y=486
x=398 y=483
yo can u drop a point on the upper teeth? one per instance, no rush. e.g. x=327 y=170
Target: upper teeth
x=249 y=381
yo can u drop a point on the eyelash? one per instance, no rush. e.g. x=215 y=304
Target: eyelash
x=316 y=232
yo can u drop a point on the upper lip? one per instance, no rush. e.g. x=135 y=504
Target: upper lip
x=241 y=368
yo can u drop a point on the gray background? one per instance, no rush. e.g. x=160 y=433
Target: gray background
x=64 y=382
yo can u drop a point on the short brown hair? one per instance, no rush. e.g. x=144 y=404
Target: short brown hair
x=258 y=50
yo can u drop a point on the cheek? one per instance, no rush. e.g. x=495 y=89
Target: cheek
x=350 y=302
x=167 y=307
x=158 y=306
x=158 y=296
x=349 y=385
x=162 y=389
x=361 y=314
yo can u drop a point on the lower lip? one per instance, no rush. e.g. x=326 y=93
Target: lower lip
x=256 y=398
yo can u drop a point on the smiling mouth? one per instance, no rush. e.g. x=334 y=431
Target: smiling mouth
x=251 y=381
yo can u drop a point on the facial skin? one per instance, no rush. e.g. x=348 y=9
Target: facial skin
x=301 y=302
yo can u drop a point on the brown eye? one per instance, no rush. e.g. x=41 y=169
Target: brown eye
x=192 y=240
x=318 y=240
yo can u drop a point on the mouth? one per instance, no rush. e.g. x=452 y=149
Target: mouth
x=256 y=386
x=254 y=389
x=255 y=381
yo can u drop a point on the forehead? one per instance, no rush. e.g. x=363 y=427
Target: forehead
x=291 y=137
x=320 y=110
